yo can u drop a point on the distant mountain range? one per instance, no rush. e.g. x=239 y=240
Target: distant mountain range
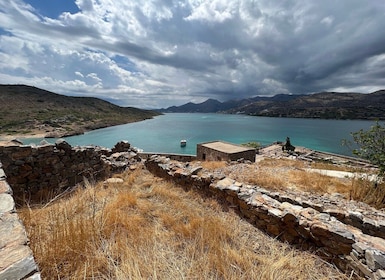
x=323 y=105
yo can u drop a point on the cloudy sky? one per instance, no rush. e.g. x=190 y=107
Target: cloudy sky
x=158 y=53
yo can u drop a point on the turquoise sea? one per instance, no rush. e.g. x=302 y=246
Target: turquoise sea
x=163 y=133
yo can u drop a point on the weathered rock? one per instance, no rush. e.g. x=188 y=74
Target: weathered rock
x=196 y=170
x=11 y=231
x=6 y=203
x=20 y=269
x=224 y=183
x=375 y=259
x=4 y=187
x=2 y=174
x=379 y=274
x=61 y=144
x=122 y=146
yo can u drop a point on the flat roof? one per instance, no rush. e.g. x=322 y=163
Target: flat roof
x=226 y=147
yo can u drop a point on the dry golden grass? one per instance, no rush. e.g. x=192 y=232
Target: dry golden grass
x=365 y=191
x=212 y=165
x=285 y=174
x=330 y=166
x=318 y=183
x=147 y=228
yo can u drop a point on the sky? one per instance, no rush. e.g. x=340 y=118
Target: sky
x=159 y=53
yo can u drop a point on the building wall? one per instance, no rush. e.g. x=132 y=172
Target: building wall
x=205 y=153
x=247 y=155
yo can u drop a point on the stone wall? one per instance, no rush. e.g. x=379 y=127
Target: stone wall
x=178 y=157
x=37 y=173
x=346 y=233
x=32 y=174
x=349 y=234
x=16 y=259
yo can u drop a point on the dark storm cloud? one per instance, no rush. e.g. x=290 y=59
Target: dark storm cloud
x=180 y=51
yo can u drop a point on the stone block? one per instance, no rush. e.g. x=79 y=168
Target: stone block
x=379 y=275
x=337 y=213
x=196 y=170
x=2 y=174
x=13 y=254
x=224 y=183
x=359 y=267
x=375 y=259
x=369 y=226
x=273 y=229
x=4 y=187
x=21 y=152
x=289 y=218
x=319 y=230
x=310 y=204
x=342 y=235
x=6 y=203
x=290 y=207
x=356 y=218
x=360 y=247
x=232 y=190
x=12 y=231
x=20 y=269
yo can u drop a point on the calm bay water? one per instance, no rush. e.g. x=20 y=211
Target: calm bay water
x=163 y=133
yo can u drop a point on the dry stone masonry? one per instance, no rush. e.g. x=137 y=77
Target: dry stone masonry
x=346 y=233
x=16 y=259
x=46 y=169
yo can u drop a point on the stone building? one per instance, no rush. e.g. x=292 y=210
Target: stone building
x=219 y=150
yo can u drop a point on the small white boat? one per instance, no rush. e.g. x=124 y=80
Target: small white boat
x=183 y=143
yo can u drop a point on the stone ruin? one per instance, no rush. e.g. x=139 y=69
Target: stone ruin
x=347 y=233
x=33 y=174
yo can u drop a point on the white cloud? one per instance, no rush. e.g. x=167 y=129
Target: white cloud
x=158 y=53
x=79 y=74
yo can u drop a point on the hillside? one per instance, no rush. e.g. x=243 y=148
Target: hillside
x=30 y=110
x=324 y=105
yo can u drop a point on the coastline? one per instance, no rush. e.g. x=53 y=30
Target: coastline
x=6 y=139
x=270 y=151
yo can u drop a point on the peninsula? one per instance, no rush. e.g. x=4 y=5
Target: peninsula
x=31 y=111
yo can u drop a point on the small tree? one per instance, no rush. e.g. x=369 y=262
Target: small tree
x=371 y=145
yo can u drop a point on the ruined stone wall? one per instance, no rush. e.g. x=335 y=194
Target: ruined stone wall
x=38 y=172
x=28 y=173
x=348 y=234
x=178 y=157
x=16 y=259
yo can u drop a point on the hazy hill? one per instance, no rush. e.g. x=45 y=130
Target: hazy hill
x=325 y=105
x=26 y=110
